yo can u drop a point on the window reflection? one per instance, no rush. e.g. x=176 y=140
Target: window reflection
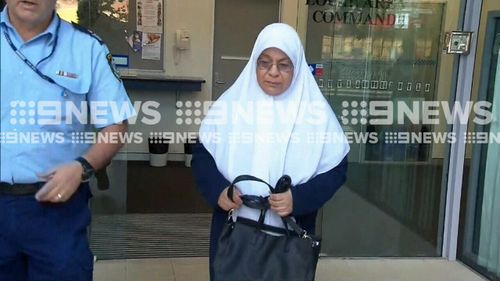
x=363 y=54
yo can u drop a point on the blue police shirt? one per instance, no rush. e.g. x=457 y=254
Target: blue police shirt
x=42 y=124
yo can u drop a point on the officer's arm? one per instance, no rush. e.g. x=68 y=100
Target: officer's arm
x=108 y=88
x=100 y=154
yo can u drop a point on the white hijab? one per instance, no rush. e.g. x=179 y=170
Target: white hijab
x=295 y=133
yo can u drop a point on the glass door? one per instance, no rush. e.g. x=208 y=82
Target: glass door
x=380 y=65
x=480 y=219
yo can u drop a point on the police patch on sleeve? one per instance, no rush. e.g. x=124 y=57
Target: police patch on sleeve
x=109 y=57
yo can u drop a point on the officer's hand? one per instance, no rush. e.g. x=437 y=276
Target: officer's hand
x=61 y=183
x=282 y=203
x=227 y=204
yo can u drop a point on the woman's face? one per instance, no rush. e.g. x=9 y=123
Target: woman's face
x=274 y=71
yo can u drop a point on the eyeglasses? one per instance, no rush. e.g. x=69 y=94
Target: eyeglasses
x=283 y=67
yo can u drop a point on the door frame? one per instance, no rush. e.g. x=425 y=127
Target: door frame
x=215 y=56
x=477 y=149
x=470 y=20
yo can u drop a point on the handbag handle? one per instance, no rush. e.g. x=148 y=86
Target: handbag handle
x=241 y=178
x=282 y=185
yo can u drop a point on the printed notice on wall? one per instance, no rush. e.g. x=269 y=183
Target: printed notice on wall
x=135 y=41
x=149 y=16
x=151 y=47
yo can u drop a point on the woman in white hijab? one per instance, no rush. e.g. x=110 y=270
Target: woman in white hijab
x=272 y=121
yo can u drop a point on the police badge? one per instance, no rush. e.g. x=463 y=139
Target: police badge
x=109 y=57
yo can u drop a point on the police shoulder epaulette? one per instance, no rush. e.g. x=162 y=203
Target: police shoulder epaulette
x=87 y=31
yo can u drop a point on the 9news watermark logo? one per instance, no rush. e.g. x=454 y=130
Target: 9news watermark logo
x=358 y=112
x=189 y=112
x=364 y=122
x=416 y=112
x=22 y=112
x=48 y=112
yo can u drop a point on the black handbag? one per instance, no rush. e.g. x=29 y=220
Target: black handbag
x=247 y=251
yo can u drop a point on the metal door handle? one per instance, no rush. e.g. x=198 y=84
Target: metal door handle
x=217 y=81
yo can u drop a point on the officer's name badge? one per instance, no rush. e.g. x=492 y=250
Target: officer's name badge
x=67 y=74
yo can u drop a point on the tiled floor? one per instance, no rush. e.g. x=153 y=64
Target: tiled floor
x=329 y=269
x=180 y=269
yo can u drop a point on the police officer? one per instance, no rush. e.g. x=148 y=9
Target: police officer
x=57 y=81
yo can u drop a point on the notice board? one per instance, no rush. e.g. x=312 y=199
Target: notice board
x=133 y=30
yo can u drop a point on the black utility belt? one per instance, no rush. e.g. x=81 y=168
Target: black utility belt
x=20 y=188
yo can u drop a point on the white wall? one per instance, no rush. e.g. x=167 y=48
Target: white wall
x=198 y=17
x=294 y=13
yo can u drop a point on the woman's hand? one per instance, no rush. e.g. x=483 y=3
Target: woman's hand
x=227 y=204
x=282 y=203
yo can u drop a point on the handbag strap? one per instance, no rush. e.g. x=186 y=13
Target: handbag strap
x=263 y=205
x=248 y=178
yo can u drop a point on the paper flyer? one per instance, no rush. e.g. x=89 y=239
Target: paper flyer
x=135 y=41
x=151 y=46
x=150 y=16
